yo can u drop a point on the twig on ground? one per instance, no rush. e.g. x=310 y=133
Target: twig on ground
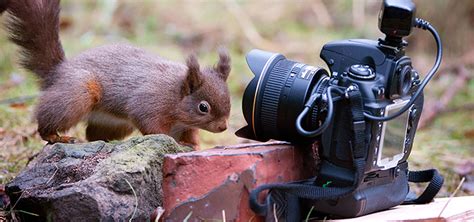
x=52 y=176
x=251 y=219
x=136 y=199
x=16 y=202
x=159 y=213
x=26 y=212
x=19 y=99
x=433 y=108
x=13 y=216
x=309 y=214
x=274 y=213
x=452 y=195
x=188 y=216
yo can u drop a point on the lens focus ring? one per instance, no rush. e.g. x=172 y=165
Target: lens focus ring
x=271 y=95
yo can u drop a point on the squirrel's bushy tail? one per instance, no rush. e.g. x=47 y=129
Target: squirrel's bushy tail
x=34 y=26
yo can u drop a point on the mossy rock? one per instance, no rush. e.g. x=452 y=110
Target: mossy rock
x=94 y=181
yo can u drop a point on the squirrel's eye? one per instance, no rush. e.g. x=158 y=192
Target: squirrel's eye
x=204 y=107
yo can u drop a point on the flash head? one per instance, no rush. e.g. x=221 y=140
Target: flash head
x=396 y=19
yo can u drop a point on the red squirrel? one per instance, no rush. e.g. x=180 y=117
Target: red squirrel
x=116 y=88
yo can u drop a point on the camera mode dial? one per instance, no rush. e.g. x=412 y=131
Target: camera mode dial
x=363 y=72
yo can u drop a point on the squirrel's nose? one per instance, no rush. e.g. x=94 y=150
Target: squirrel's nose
x=222 y=127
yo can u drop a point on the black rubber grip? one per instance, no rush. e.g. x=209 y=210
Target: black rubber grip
x=271 y=96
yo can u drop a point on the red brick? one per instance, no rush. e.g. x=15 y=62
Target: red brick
x=205 y=184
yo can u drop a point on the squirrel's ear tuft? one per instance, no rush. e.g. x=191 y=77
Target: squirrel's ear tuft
x=223 y=66
x=193 y=76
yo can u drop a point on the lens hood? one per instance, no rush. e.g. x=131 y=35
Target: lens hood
x=259 y=62
x=276 y=95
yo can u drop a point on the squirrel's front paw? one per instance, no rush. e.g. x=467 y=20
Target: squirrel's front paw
x=194 y=146
x=60 y=139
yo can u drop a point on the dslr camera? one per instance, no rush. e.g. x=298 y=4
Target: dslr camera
x=363 y=112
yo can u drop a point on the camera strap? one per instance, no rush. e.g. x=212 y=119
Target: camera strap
x=435 y=183
x=288 y=194
x=358 y=125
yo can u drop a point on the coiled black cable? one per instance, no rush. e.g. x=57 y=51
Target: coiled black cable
x=422 y=24
x=307 y=108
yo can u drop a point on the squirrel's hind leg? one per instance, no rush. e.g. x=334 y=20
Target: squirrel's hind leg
x=101 y=126
x=62 y=106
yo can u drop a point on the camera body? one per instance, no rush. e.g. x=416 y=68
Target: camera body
x=296 y=102
x=380 y=76
x=281 y=87
x=379 y=73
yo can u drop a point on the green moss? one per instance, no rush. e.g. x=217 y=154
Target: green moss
x=132 y=156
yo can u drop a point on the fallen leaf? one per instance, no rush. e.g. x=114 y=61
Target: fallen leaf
x=469 y=134
x=18 y=105
x=65 y=23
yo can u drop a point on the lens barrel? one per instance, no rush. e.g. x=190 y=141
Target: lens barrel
x=276 y=96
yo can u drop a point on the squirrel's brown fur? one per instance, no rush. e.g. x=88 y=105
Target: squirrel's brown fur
x=115 y=87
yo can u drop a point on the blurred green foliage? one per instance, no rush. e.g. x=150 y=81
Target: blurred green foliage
x=298 y=29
